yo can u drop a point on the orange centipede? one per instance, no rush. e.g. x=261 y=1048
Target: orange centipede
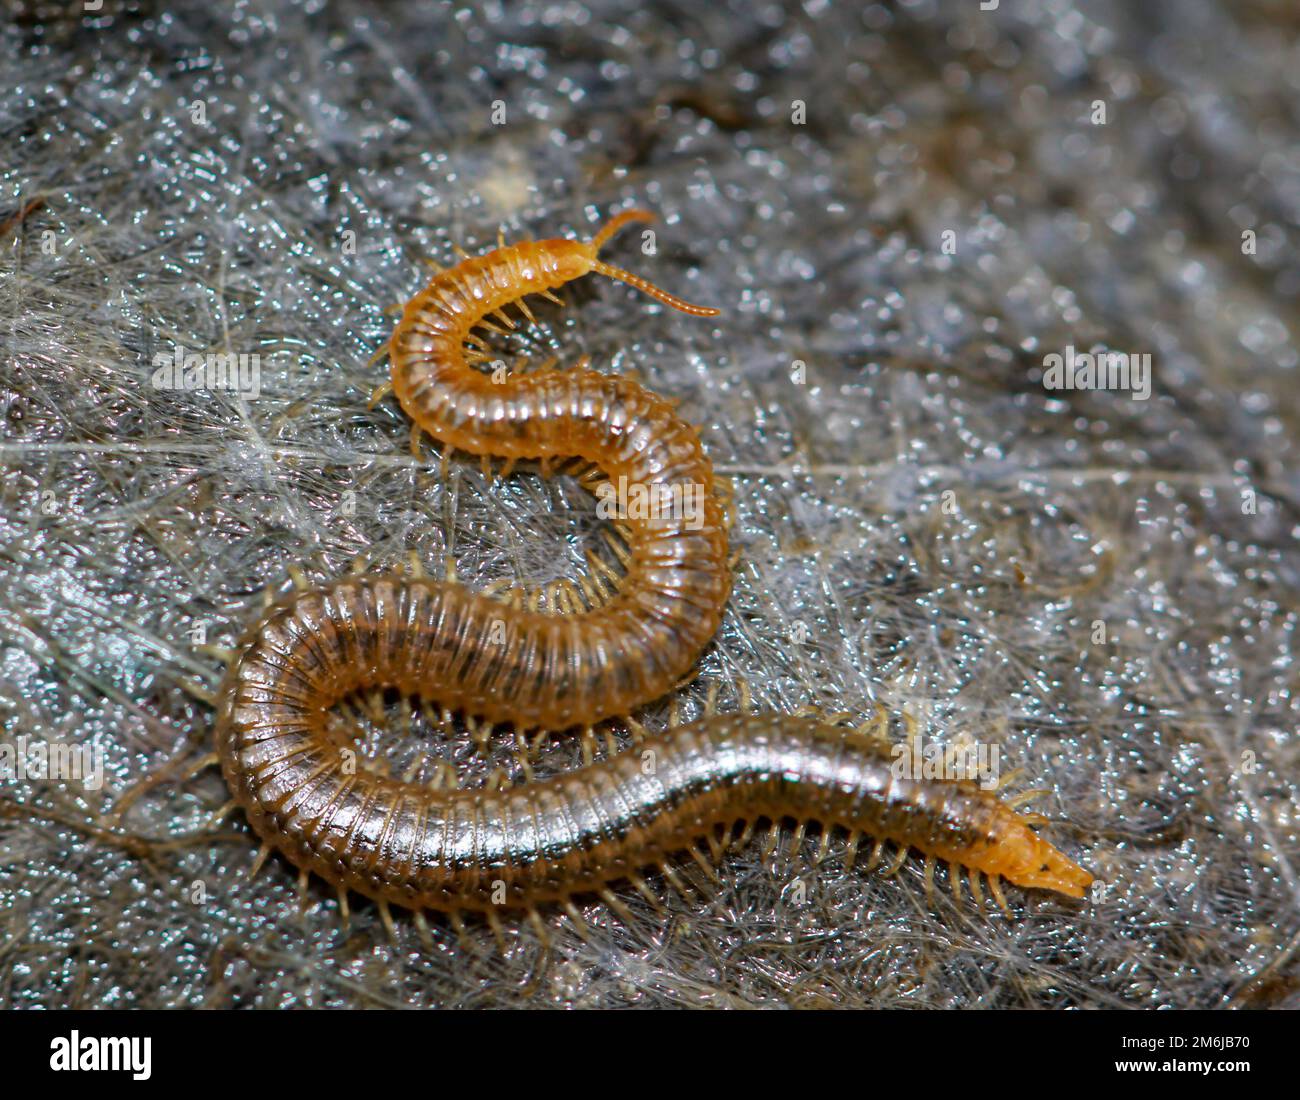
x=407 y=844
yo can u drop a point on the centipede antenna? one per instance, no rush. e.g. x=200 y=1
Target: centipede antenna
x=616 y=223
x=647 y=287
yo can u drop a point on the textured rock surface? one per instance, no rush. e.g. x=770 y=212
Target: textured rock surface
x=922 y=524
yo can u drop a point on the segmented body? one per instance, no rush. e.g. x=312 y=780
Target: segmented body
x=405 y=843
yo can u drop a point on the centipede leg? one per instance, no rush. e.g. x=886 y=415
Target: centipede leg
x=703 y=864
x=899 y=859
x=929 y=880
x=379 y=392
x=976 y=892
x=222 y=653
x=1025 y=797
x=877 y=849
x=643 y=888
x=223 y=813
x=746 y=833
x=912 y=732
x=304 y=898
x=851 y=850
x=345 y=912
x=954 y=877
x=498 y=932
x=579 y=921
x=422 y=927
x=157 y=778
x=877 y=726
x=591 y=596
x=796 y=838
x=1008 y=779
x=196 y=690
x=483 y=322
x=457 y=923
x=618 y=550
x=718 y=844
x=995 y=885
x=259 y=860
x=675 y=881
x=539 y=926
x=616 y=905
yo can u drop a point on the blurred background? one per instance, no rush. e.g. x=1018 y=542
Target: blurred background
x=901 y=208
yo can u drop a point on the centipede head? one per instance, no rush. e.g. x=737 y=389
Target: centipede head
x=1028 y=860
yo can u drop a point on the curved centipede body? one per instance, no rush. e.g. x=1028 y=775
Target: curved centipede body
x=404 y=843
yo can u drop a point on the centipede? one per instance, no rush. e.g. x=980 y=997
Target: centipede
x=506 y=662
